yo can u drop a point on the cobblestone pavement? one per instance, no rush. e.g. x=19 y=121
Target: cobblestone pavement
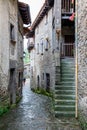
x=34 y=113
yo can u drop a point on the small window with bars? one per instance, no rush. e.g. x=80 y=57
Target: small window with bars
x=37 y=48
x=12 y=32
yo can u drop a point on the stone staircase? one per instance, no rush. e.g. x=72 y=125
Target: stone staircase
x=65 y=90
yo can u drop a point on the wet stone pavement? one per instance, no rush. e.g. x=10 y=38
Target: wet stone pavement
x=34 y=113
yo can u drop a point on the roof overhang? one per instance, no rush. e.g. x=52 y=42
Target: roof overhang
x=43 y=11
x=25 y=12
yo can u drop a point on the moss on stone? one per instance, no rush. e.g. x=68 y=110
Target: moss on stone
x=42 y=91
x=5 y=105
x=18 y=99
x=83 y=121
x=4 y=109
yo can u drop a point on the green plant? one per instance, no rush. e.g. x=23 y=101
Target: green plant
x=83 y=122
x=4 y=109
x=5 y=106
x=42 y=91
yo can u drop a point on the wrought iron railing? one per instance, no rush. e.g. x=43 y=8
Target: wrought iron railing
x=68 y=6
x=67 y=49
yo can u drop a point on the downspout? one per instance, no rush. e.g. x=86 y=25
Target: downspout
x=76 y=57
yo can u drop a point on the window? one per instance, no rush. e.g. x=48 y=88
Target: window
x=12 y=38
x=46 y=44
x=12 y=46
x=46 y=19
x=31 y=71
x=47 y=82
x=37 y=30
x=41 y=48
x=37 y=48
x=38 y=82
x=12 y=32
x=53 y=22
x=43 y=76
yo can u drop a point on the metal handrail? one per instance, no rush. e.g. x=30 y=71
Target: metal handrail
x=67 y=49
x=67 y=6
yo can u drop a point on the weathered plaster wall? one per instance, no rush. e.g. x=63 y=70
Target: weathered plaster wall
x=57 y=38
x=4 y=46
x=13 y=19
x=20 y=44
x=32 y=69
x=82 y=56
x=43 y=64
x=57 y=31
x=20 y=48
x=9 y=15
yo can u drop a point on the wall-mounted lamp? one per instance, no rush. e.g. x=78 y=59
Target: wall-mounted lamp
x=58 y=33
x=47 y=39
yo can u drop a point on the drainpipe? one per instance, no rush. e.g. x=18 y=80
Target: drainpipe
x=76 y=57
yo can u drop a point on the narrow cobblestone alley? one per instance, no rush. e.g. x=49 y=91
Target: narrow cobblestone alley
x=33 y=113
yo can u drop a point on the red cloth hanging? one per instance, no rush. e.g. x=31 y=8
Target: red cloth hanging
x=72 y=1
x=71 y=18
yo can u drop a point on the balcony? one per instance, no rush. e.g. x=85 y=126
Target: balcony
x=67 y=9
x=68 y=6
x=30 y=46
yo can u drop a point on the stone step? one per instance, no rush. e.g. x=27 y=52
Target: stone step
x=66 y=97
x=68 y=72
x=64 y=102
x=64 y=108
x=67 y=83
x=63 y=87
x=65 y=92
x=67 y=79
x=68 y=75
x=67 y=69
x=65 y=66
x=68 y=61
x=64 y=114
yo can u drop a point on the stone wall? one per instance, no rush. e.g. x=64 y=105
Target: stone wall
x=57 y=39
x=42 y=61
x=4 y=46
x=49 y=61
x=20 y=48
x=9 y=48
x=82 y=58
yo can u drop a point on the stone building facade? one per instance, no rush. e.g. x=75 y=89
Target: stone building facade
x=42 y=63
x=11 y=49
x=81 y=39
x=63 y=33
x=51 y=35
